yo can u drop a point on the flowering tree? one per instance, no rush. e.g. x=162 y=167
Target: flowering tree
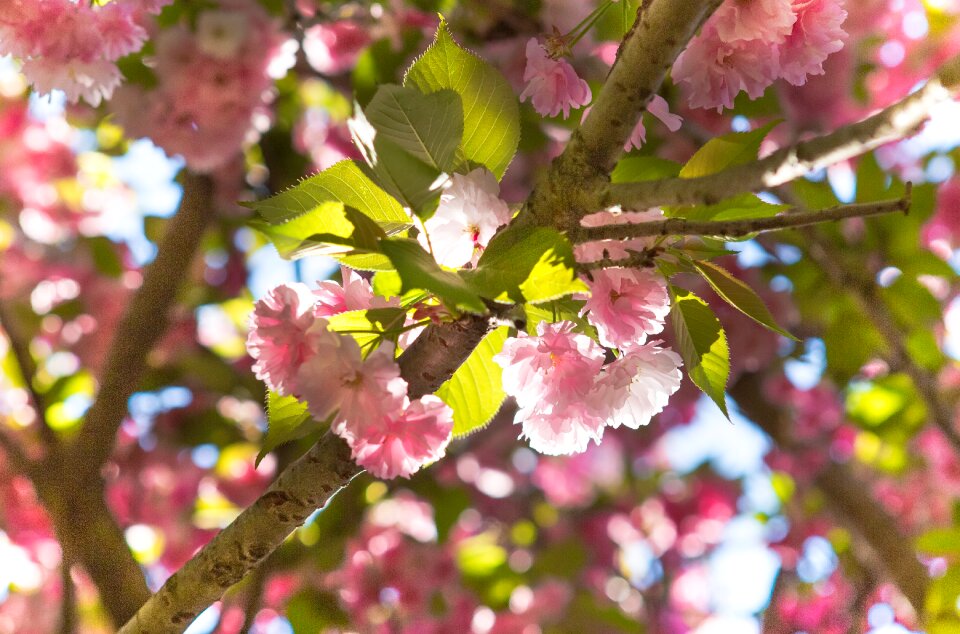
x=542 y=307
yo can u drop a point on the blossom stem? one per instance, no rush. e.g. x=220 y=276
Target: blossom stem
x=581 y=29
x=740 y=228
x=890 y=124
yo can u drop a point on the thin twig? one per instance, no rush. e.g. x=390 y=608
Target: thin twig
x=739 y=228
x=68 y=608
x=890 y=124
x=636 y=260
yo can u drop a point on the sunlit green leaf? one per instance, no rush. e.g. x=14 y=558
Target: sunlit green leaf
x=729 y=150
x=702 y=343
x=418 y=269
x=739 y=295
x=475 y=392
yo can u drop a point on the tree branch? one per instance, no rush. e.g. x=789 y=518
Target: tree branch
x=143 y=324
x=890 y=124
x=739 y=228
x=844 y=494
x=15 y=453
x=660 y=32
x=28 y=371
x=304 y=486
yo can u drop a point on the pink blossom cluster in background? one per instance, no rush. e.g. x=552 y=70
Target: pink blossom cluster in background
x=746 y=46
x=297 y=354
x=214 y=84
x=74 y=46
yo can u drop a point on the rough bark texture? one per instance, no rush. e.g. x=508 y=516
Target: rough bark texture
x=88 y=534
x=303 y=487
x=890 y=124
x=660 y=32
x=846 y=498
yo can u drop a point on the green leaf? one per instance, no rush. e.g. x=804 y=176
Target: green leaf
x=565 y=309
x=634 y=169
x=363 y=236
x=427 y=127
x=491 y=120
x=408 y=179
x=318 y=205
x=729 y=150
x=287 y=419
x=369 y=327
x=526 y=265
x=739 y=295
x=475 y=392
x=418 y=269
x=702 y=343
x=742 y=207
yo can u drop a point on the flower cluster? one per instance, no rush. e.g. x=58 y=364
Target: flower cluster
x=297 y=354
x=748 y=44
x=566 y=396
x=74 y=46
x=213 y=83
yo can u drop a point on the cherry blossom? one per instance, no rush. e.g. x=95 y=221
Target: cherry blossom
x=469 y=213
x=399 y=442
x=553 y=86
x=335 y=378
x=278 y=338
x=626 y=305
x=765 y=20
x=550 y=376
x=817 y=34
x=659 y=108
x=637 y=386
x=716 y=71
x=354 y=294
x=333 y=48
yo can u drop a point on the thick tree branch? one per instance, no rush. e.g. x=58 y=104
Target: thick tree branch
x=739 y=228
x=890 y=124
x=303 y=487
x=143 y=324
x=89 y=535
x=660 y=32
x=845 y=497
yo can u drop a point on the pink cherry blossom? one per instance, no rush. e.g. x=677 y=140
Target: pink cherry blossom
x=715 y=71
x=336 y=378
x=399 y=442
x=278 y=338
x=765 y=20
x=659 y=108
x=354 y=294
x=469 y=213
x=818 y=32
x=637 y=386
x=333 y=48
x=626 y=305
x=71 y=46
x=553 y=86
x=550 y=376
x=614 y=249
